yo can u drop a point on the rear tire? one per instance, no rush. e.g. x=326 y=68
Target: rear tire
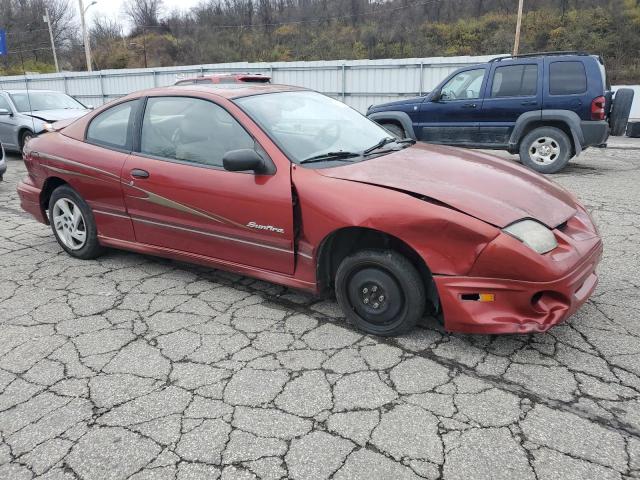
x=79 y=238
x=545 y=149
x=380 y=292
x=620 y=111
x=396 y=130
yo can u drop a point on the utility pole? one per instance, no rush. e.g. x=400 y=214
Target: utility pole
x=144 y=46
x=516 y=43
x=47 y=20
x=85 y=35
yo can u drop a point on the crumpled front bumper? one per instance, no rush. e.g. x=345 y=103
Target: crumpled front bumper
x=518 y=306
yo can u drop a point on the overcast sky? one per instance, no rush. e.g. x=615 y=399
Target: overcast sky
x=113 y=8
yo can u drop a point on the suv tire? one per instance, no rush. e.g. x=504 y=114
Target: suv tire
x=380 y=292
x=75 y=230
x=394 y=129
x=545 y=149
x=620 y=111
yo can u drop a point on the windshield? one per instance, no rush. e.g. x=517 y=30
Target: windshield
x=35 y=101
x=306 y=125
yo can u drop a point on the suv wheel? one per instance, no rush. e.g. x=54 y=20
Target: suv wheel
x=394 y=129
x=380 y=292
x=545 y=149
x=73 y=224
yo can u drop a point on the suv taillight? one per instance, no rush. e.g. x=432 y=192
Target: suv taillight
x=597 y=108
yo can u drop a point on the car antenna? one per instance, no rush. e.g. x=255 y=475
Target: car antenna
x=26 y=83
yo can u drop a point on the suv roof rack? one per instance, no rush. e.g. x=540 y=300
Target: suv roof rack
x=538 y=54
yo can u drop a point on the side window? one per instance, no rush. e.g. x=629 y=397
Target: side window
x=190 y=130
x=464 y=86
x=111 y=127
x=567 y=78
x=4 y=104
x=515 y=81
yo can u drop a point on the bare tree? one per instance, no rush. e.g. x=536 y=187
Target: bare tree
x=144 y=13
x=105 y=29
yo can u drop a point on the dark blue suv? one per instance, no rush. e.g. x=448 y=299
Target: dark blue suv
x=547 y=107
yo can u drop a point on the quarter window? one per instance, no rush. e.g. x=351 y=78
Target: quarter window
x=191 y=130
x=111 y=127
x=567 y=78
x=515 y=81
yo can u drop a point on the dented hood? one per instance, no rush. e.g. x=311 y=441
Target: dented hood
x=494 y=190
x=59 y=114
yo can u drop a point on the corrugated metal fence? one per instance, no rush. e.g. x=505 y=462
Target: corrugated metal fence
x=359 y=83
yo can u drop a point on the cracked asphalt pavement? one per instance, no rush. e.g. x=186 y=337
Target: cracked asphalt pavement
x=137 y=367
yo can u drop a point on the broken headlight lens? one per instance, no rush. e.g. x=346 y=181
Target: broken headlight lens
x=533 y=234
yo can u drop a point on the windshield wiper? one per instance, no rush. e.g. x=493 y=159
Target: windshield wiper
x=323 y=157
x=380 y=144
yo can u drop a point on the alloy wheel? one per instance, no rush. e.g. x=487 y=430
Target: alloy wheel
x=69 y=224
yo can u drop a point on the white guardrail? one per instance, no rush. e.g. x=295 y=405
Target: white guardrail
x=358 y=83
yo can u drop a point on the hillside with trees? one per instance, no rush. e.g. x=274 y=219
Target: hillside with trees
x=286 y=30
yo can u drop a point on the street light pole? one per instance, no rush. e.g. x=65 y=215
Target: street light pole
x=85 y=35
x=516 y=43
x=47 y=20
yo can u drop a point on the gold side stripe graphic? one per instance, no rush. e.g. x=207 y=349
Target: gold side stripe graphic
x=214 y=235
x=150 y=196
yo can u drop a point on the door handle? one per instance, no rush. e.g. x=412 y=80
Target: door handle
x=469 y=105
x=533 y=102
x=139 y=173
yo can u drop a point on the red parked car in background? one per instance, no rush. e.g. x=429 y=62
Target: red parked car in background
x=290 y=186
x=226 y=78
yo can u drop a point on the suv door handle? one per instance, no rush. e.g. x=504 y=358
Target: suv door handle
x=139 y=173
x=469 y=105
x=532 y=102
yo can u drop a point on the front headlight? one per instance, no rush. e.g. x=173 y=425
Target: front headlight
x=533 y=234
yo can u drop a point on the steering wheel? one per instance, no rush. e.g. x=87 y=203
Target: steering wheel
x=451 y=95
x=330 y=133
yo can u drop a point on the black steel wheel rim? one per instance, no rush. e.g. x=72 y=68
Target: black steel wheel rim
x=375 y=295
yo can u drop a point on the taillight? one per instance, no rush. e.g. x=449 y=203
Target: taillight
x=597 y=108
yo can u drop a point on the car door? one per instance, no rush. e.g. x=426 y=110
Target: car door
x=512 y=90
x=7 y=124
x=181 y=198
x=450 y=116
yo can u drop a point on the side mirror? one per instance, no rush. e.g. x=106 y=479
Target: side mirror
x=245 y=159
x=90 y=107
x=4 y=111
x=437 y=96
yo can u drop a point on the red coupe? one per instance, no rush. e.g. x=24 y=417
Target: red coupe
x=293 y=187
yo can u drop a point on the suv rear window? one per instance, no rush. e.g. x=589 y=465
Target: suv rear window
x=515 y=81
x=567 y=78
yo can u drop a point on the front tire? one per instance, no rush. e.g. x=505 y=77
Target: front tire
x=24 y=138
x=73 y=224
x=380 y=292
x=545 y=150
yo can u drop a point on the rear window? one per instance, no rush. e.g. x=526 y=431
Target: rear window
x=567 y=78
x=515 y=81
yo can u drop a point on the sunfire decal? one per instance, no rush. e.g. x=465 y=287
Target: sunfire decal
x=270 y=228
